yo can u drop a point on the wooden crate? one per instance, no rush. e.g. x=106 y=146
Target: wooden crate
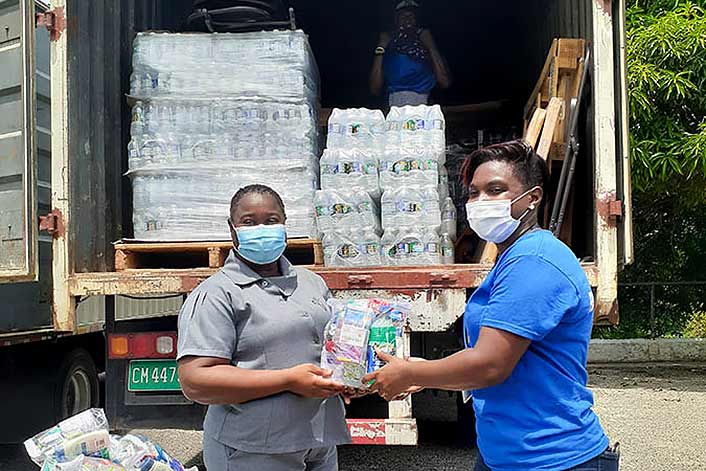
x=148 y=255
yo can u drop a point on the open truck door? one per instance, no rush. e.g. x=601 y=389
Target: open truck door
x=626 y=253
x=18 y=210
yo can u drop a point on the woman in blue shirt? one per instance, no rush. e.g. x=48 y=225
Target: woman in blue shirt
x=407 y=64
x=527 y=329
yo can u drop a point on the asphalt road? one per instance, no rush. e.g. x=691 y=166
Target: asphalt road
x=657 y=412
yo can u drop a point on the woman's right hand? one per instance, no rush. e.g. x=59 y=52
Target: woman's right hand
x=311 y=381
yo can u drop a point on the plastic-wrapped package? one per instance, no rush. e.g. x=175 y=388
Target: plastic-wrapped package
x=83 y=443
x=356 y=128
x=352 y=248
x=202 y=128
x=386 y=333
x=343 y=210
x=83 y=463
x=64 y=438
x=279 y=64
x=163 y=211
x=414 y=167
x=355 y=169
x=346 y=341
x=416 y=127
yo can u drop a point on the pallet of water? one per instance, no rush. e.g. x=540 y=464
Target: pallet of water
x=226 y=111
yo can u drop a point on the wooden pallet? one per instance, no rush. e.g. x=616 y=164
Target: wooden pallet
x=142 y=255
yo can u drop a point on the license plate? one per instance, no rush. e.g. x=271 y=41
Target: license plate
x=153 y=375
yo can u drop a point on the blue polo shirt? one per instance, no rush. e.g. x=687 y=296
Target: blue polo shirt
x=541 y=417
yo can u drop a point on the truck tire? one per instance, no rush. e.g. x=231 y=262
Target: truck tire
x=77 y=387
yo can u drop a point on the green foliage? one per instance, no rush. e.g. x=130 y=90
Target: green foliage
x=666 y=52
x=696 y=327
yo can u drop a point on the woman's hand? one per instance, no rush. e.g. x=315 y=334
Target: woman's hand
x=392 y=381
x=311 y=381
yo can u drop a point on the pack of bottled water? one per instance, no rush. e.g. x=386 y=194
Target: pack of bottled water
x=414 y=182
x=207 y=119
x=267 y=64
x=416 y=127
x=177 y=204
x=358 y=128
x=346 y=209
x=354 y=168
x=352 y=248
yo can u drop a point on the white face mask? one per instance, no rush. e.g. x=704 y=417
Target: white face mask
x=492 y=219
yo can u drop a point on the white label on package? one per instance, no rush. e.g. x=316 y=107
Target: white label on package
x=354 y=336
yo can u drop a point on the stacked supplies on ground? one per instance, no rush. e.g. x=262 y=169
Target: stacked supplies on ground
x=83 y=443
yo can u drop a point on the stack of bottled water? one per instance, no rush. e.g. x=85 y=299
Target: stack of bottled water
x=349 y=220
x=347 y=207
x=213 y=113
x=413 y=184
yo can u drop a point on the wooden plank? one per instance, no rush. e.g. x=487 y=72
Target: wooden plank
x=489 y=254
x=124 y=260
x=542 y=75
x=535 y=126
x=570 y=49
x=392 y=278
x=141 y=255
x=550 y=127
x=486 y=253
x=162 y=247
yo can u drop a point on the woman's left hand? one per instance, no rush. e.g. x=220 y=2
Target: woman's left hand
x=392 y=380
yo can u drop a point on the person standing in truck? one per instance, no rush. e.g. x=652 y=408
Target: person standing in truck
x=527 y=328
x=407 y=63
x=249 y=347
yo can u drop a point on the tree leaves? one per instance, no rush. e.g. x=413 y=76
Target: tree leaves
x=666 y=53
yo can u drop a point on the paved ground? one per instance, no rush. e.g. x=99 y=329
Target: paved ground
x=657 y=412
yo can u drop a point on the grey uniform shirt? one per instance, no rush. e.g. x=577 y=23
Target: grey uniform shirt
x=263 y=324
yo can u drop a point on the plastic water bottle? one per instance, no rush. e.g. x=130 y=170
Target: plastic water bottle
x=329 y=169
x=431 y=215
x=388 y=247
x=371 y=246
x=437 y=127
x=447 y=250
x=412 y=247
x=335 y=128
x=432 y=247
x=448 y=218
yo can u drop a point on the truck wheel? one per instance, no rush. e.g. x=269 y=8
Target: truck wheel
x=77 y=387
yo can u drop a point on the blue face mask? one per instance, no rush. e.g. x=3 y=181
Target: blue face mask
x=261 y=244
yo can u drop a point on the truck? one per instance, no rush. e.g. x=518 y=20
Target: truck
x=72 y=327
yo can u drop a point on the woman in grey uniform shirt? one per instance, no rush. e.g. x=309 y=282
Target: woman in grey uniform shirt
x=249 y=345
